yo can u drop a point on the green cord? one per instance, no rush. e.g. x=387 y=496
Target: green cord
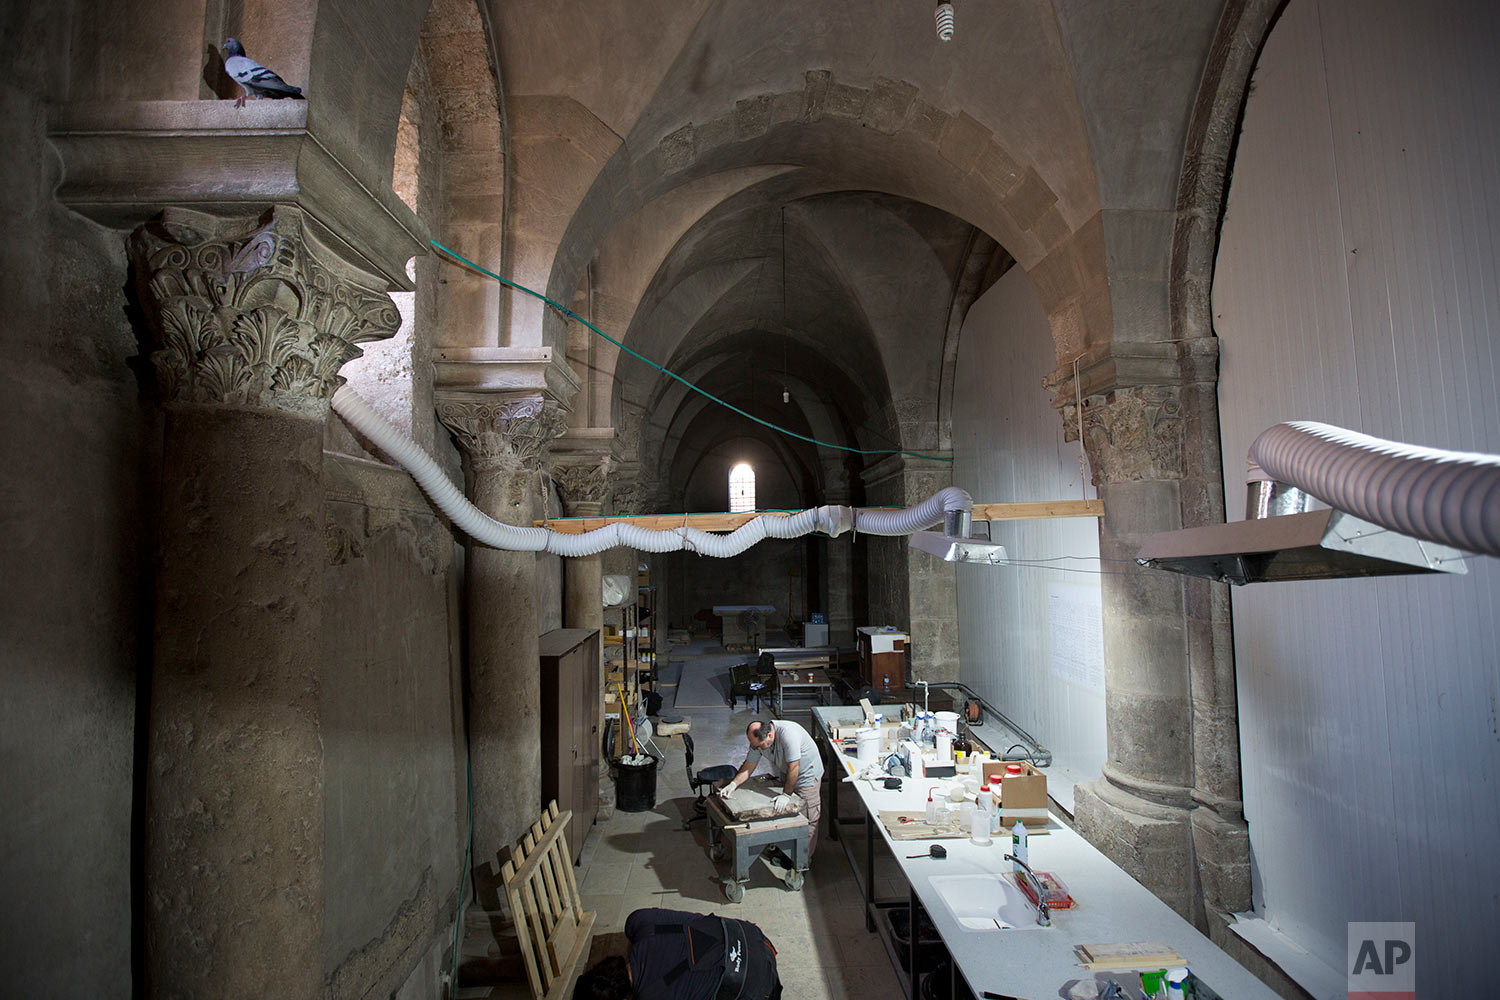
x=463 y=875
x=703 y=392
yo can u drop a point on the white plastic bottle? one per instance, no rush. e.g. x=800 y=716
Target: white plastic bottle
x=980 y=832
x=1018 y=845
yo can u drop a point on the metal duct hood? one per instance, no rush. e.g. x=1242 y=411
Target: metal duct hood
x=1317 y=545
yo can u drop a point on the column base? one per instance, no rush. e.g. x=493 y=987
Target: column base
x=606 y=795
x=1151 y=841
x=1222 y=847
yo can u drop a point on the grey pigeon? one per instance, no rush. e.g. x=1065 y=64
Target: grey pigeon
x=255 y=79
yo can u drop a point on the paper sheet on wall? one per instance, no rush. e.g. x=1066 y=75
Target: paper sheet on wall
x=1076 y=617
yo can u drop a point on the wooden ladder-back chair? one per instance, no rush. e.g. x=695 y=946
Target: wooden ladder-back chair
x=552 y=927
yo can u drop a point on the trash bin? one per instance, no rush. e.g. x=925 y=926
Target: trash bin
x=635 y=785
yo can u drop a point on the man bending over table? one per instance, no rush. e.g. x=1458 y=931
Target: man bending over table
x=794 y=758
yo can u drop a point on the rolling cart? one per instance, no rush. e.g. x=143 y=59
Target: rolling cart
x=743 y=841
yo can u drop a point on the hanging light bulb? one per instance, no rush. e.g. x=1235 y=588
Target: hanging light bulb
x=944 y=17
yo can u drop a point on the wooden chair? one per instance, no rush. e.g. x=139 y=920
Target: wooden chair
x=552 y=928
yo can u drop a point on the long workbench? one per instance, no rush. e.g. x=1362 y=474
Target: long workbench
x=1025 y=960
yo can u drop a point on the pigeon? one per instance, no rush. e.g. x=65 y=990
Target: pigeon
x=253 y=78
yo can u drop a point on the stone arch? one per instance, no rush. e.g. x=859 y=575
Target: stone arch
x=898 y=144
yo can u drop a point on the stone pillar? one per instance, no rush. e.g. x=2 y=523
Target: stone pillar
x=585 y=489
x=502 y=438
x=251 y=320
x=909 y=588
x=1138 y=812
x=838 y=568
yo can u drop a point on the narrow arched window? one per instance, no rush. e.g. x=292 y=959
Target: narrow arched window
x=741 y=488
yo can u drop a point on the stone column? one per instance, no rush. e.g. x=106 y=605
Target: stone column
x=1138 y=812
x=251 y=320
x=585 y=489
x=909 y=588
x=502 y=438
x=838 y=567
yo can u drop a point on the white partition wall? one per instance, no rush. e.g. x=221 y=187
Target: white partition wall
x=1028 y=631
x=1358 y=284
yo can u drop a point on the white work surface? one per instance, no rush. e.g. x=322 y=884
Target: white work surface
x=1031 y=961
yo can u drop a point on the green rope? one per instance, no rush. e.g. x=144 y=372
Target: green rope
x=702 y=392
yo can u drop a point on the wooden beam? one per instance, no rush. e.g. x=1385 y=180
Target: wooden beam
x=728 y=522
x=657 y=522
x=1038 y=509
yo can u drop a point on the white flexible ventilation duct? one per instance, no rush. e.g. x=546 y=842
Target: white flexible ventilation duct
x=1450 y=497
x=831 y=520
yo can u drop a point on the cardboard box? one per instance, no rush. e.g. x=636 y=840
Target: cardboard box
x=1019 y=793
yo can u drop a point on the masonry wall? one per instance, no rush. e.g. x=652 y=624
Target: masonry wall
x=1357 y=285
x=76 y=444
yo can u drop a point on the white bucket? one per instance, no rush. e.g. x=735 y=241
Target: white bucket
x=869 y=745
x=947 y=720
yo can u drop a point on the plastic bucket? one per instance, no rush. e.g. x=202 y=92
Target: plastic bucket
x=868 y=742
x=948 y=721
x=635 y=786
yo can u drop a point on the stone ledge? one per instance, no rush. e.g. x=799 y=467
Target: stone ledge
x=123 y=163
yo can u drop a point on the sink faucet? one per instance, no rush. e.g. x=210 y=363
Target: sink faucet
x=1043 y=914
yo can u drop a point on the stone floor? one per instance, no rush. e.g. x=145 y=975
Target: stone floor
x=639 y=859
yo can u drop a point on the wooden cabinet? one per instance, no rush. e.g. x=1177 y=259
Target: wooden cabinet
x=882 y=657
x=570 y=732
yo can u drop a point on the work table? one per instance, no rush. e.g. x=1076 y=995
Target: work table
x=1028 y=960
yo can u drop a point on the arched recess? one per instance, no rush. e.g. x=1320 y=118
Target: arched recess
x=459 y=49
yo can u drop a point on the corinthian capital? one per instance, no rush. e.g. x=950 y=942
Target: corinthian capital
x=1131 y=435
x=252 y=311
x=584 y=487
x=502 y=432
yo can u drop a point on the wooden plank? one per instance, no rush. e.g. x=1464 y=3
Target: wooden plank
x=728 y=522
x=533 y=861
x=518 y=919
x=658 y=522
x=1038 y=509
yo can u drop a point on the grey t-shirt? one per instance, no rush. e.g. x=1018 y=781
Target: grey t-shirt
x=792 y=743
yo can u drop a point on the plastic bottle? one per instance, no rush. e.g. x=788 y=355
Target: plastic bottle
x=980 y=832
x=933 y=809
x=887 y=685
x=1018 y=845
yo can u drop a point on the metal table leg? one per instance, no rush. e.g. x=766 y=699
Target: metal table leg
x=869 y=872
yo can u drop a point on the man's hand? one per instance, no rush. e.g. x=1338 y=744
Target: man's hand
x=727 y=791
x=784 y=802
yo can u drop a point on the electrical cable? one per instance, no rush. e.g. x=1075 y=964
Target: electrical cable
x=671 y=374
x=463 y=875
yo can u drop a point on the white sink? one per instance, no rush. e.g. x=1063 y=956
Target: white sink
x=985 y=902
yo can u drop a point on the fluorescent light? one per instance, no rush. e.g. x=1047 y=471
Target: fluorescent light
x=954 y=548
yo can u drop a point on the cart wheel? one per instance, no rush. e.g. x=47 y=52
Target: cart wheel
x=716 y=852
x=793 y=879
x=733 y=890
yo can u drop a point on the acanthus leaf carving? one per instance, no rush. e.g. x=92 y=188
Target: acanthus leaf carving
x=1130 y=434
x=255 y=319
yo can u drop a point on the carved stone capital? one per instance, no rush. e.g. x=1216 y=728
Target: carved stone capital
x=252 y=312
x=502 y=432
x=582 y=486
x=1131 y=435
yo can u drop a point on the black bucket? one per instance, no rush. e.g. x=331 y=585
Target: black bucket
x=635 y=786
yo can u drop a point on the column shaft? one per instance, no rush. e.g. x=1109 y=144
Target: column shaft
x=235 y=784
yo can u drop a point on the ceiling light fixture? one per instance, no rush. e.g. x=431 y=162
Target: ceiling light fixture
x=944 y=18
x=954 y=544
